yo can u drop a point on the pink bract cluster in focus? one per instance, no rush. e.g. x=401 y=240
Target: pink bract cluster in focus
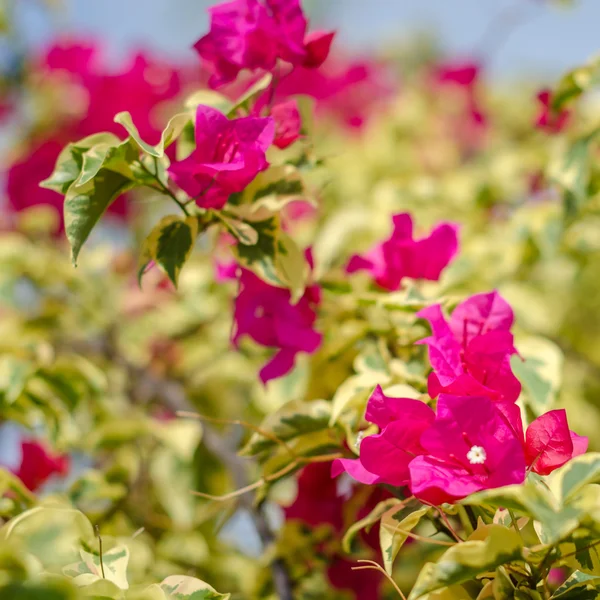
x=475 y=439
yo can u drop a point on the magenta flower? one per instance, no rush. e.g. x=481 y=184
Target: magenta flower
x=265 y=314
x=463 y=78
x=38 y=465
x=470 y=447
x=346 y=90
x=228 y=156
x=255 y=34
x=385 y=457
x=548 y=442
x=402 y=256
x=288 y=123
x=470 y=354
x=547 y=119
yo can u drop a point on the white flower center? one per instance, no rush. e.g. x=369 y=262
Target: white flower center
x=359 y=439
x=476 y=455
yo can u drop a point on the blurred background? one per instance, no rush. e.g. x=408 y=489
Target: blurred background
x=522 y=36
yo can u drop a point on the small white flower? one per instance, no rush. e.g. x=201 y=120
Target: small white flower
x=476 y=455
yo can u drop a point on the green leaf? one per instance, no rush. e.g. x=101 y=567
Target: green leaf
x=575 y=83
x=275 y=258
x=391 y=532
x=26 y=590
x=533 y=498
x=569 y=479
x=169 y=244
x=571 y=170
x=174 y=127
x=114 y=561
x=540 y=373
x=469 y=559
x=84 y=205
x=181 y=587
x=209 y=98
x=244 y=232
x=366 y=522
x=354 y=392
x=54 y=534
x=579 y=586
x=69 y=161
x=293 y=419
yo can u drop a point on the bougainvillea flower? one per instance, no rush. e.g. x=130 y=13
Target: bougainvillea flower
x=38 y=465
x=346 y=90
x=229 y=154
x=384 y=457
x=288 y=123
x=470 y=447
x=548 y=119
x=470 y=354
x=255 y=34
x=402 y=256
x=266 y=314
x=548 y=442
x=463 y=78
x=319 y=501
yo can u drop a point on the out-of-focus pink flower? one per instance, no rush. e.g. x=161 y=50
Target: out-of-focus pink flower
x=349 y=91
x=288 y=123
x=319 y=502
x=402 y=256
x=138 y=88
x=470 y=354
x=548 y=119
x=229 y=154
x=265 y=313
x=548 y=442
x=385 y=457
x=470 y=447
x=255 y=34
x=38 y=465
x=463 y=78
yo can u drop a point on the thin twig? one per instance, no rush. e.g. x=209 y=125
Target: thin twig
x=163 y=187
x=371 y=564
x=268 y=478
x=266 y=434
x=514 y=523
x=100 y=551
x=415 y=536
x=444 y=518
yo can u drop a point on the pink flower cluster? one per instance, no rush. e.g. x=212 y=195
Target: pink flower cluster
x=255 y=35
x=402 y=256
x=548 y=119
x=475 y=439
x=266 y=314
x=228 y=155
x=470 y=353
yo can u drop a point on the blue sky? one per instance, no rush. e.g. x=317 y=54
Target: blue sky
x=547 y=40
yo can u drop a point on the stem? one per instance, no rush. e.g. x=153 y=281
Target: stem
x=514 y=523
x=163 y=188
x=100 y=549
